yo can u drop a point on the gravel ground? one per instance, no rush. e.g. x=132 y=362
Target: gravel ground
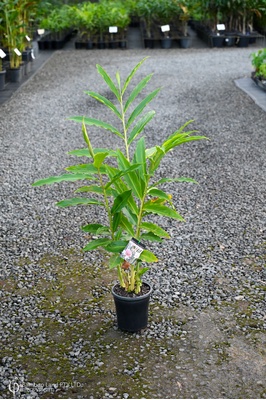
x=206 y=335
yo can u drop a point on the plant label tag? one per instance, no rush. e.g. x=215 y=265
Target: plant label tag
x=28 y=38
x=113 y=29
x=32 y=54
x=2 y=53
x=165 y=28
x=18 y=53
x=132 y=251
x=40 y=31
x=221 y=27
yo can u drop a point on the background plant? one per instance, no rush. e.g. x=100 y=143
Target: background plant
x=131 y=192
x=259 y=62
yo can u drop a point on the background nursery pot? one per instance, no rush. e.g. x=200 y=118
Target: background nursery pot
x=132 y=312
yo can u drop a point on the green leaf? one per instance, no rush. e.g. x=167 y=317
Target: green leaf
x=97 y=243
x=61 y=178
x=150 y=152
x=161 y=210
x=118 y=234
x=94 y=189
x=96 y=122
x=151 y=236
x=79 y=200
x=86 y=153
x=120 y=202
x=118 y=80
x=104 y=101
x=92 y=228
x=148 y=256
x=86 y=169
x=98 y=159
x=139 y=157
x=126 y=225
x=137 y=90
x=116 y=246
x=131 y=178
x=159 y=193
x=140 y=126
x=132 y=74
x=130 y=215
x=116 y=220
x=142 y=271
x=148 y=226
x=114 y=261
x=86 y=137
x=120 y=174
x=181 y=179
x=141 y=107
x=109 y=81
x=105 y=230
x=156 y=159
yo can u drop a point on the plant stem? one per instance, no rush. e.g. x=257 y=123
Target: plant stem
x=107 y=205
x=141 y=209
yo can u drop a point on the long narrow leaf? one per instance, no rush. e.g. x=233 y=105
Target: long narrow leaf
x=79 y=200
x=86 y=153
x=181 y=179
x=121 y=173
x=151 y=236
x=131 y=177
x=148 y=256
x=99 y=159
x=61 y=178
x=116 y=246
x=120 y=202
x=140 y=125
x=137 y=90
x=141 y=106
x=92 y=228
x=161 y=210
x=86 y=169
x=104 y=101
x=126 y=225
x=114 y=261
x=109 y=81
x=139 y=157
x=132 y=74
x=150 y=227
x=97 y=243
x=96 y=122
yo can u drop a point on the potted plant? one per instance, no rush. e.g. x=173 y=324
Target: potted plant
x=259 y=64
x=84 y=22
x=164 y=13
x=130 y=196
x=187 y=9
x=145 y=10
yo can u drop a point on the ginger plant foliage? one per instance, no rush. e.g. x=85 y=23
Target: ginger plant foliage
x=130 y=190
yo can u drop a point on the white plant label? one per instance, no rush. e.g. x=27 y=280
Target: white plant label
x=2 y=53
x=132 y=251
x=221 y=27
x=113 y=29
x=32 y=54
x=40 y=31
x=28 y=38
x=18 y=53
x=165 y=28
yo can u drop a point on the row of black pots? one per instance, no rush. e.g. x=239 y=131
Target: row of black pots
x=26 y=55
x=229 y=40
x=49 y=43
x=166 y=43
x=101 y=45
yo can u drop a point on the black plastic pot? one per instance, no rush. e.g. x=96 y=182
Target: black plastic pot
x=166 y=43
x=185 y=42
x=123 y=44
x=89 y=45
x=132 y=312
x=243 y=41
x=148 y=43
x=15 y=74
x=2 y=79
x=229 y=41
x=101 y=45
x=217 y=41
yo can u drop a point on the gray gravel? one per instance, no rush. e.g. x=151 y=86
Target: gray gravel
x=215 y=258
